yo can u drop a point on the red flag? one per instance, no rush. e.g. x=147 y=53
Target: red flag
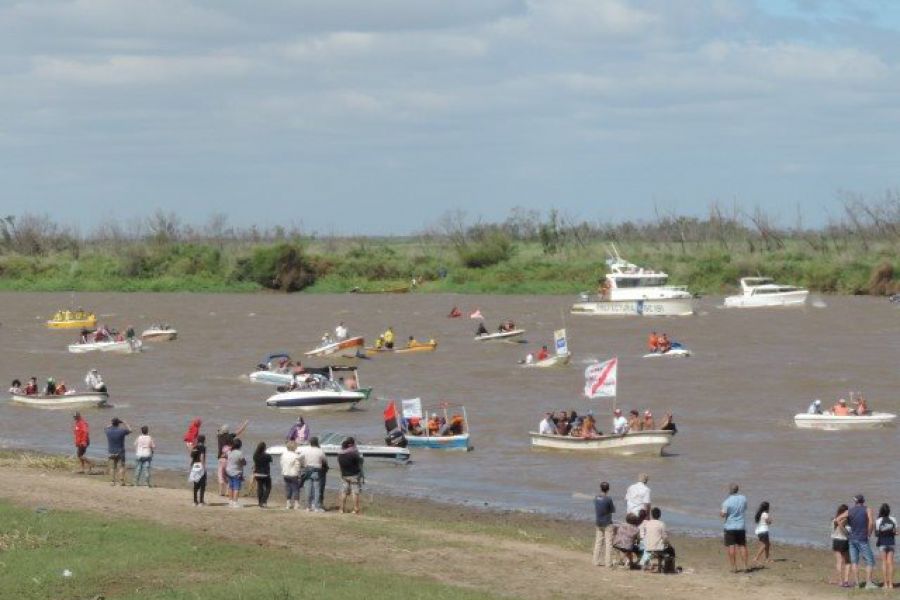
x=390 y=417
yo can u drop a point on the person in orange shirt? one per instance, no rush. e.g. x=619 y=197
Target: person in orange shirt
x=434 y=424
x=653 y=342
x=81 y=433
x=840 y=409
x=543 y=354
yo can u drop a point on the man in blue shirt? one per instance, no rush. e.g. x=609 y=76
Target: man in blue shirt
x=604 y=509
x=115 y=447
x=733 y=511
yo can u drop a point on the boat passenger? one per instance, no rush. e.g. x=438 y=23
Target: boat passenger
x=841 y=409
x=94 y=382
x=16 y=387
x=389 y=338
x=32 y=388
x=379 y=343
x=457 y=425
x=411 y=342
x=482 y=330
x=434 y=424
x=340 y=332
x=664 y=344
x=861 y=408
x=61 y=389
x=415 y=426
x=80 y=314
x=351 y=383
x=506 y=326
x=67 y=316
x=589 y=426
x=669 y=424
x=455 y=313
x=653 y=342
x=562 y=423
x=50 y=390
x=58 y=316
x=129 y=333
x=648 y=424
x=634 y=421
x=326 y=339
x=543 y=354
x=620 y=423
x=529 y=358
x=815 y=408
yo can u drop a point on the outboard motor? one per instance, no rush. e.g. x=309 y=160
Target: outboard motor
x=396 y=439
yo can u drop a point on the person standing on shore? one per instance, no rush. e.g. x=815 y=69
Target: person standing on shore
x=763 y=519
x=82 y=433
x=234 y=469
x=841 y=546
x=350 y=462
x=115 y=448
x=637 y=496
x=262 y=474
x=733 y=510
x=143 y=452
x=316 y=466
x=291 y=465
x=862 y=524
x=224 y=438
x=198 y=470
x=603 y=514
x=886 y=533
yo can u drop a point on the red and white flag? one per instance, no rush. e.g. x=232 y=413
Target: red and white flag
x=600 y=379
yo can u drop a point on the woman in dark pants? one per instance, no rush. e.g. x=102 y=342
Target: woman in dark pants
x=198 y=456
x=262 y=464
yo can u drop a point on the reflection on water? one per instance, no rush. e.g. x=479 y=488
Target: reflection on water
x=733 y=400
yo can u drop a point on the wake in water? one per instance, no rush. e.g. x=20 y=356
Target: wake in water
x=818 y=303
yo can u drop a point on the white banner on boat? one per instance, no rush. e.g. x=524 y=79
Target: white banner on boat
x=600 y=379
x=559 y=337
x=412 y=408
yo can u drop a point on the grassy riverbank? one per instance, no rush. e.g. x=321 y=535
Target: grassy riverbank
x=341 y=265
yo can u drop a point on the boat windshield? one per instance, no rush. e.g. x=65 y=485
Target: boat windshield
x=635 y=282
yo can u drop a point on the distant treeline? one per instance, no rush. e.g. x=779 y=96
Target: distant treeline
x=529 y=252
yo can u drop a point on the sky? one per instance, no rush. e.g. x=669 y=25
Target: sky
x=355 y=117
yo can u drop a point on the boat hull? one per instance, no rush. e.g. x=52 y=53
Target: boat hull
x=113 y=347
x=159 y=335
x=367 y=451
x=271 y=378
x=659 y=307
x=318 y=400
x=446 y=442
x=406 y=350
x=673 y=353
x=557 y=360
x=836 y=423
x=639 y=443
x=336 y=347
x=73 y=324
x=767 y=300
x=65 y=401
x=500 y=335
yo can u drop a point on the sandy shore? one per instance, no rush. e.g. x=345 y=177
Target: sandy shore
x=506 y=553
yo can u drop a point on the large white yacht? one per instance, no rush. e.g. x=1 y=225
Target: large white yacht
x=763 y=291
x=631 y=290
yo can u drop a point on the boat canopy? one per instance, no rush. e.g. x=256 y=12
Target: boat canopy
x=275 y=356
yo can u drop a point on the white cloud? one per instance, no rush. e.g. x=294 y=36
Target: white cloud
x=125 y=70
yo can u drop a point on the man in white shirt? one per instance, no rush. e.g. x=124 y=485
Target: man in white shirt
x=547 y=426
x=620 y=423
x=637 y=497
x=340 y=332
x=94 y=382
x=316 y=467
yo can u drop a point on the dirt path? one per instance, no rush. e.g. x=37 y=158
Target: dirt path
x=523 y=569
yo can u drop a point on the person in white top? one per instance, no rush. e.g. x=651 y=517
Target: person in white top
x=637 y=496
x=94 y=382
x=547 y=426
x=291 y=467
x=815 y=408
x=143 y=452
x=316 y=468
x=340 y=332
x=620 y=423
x=763 y=520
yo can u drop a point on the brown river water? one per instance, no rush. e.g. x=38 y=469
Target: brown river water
x=733 y=400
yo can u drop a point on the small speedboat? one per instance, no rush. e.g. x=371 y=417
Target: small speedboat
x=335 y=347
x=677 y=350
x=832 y=422
x=116 y=347
x=70 y=400
x=331 y=446
x=330 y=397
x=646 y=443
x=159 y=333
x=758 y=292
x=68 y=320
x=499 y=335
x=556 y=360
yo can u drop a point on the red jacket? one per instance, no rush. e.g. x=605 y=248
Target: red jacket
x=193 y=431
x=82 y=433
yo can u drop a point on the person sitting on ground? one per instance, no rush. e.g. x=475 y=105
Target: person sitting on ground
x=653 y=342
x=634 y=421
x=455 y=313
x=841 y=409
x=648 y=424
x=15 y=387
x=620 y=423
x=547 y=426
x=61 y=389
x=861 y=407
x=654 y=536
x=815 y=408
x=50 y=390
x=625 y=540
x=482 y=330
x=543 y=353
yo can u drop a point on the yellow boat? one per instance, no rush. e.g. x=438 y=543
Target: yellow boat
x=430 y=346
x=67 y=319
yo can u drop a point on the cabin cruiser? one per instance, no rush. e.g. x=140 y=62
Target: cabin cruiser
x=629 y=290
x=763 y=291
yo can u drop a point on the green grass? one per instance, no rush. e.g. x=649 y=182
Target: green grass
x=121 y=559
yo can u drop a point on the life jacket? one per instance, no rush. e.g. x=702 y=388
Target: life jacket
x=653 y=342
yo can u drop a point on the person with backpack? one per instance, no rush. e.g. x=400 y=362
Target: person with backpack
x=885 y=535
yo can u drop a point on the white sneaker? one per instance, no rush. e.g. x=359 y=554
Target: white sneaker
x=318 y=510
x=871 y=586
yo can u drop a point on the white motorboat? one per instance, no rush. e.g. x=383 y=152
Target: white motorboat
x=159 y=333
x=759 y=292
x=318 y=389
x=832 y=422
x=70 y=400
x=642 y=443
x=499 y=335
x=269 y=372
x=116 y=347
x=331 y=446
x=629 y=290
x=676 y=351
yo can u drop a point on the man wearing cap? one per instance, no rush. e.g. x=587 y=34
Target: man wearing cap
x=620 y=423
x=733 y=511
x=637 y=496
x=82 y=434
x=815 y=408
x=862 y=524
x=115 y=447
x=603 y=512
